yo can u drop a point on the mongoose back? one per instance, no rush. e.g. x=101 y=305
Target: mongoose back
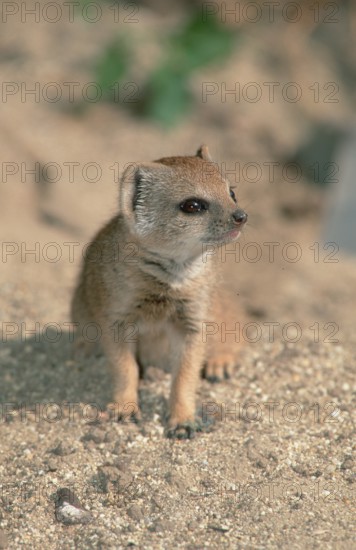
x=145 y=281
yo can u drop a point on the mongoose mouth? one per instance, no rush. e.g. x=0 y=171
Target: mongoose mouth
x=229 y=236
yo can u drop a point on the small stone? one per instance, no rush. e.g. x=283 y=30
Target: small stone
x=256 y=458
x=68 y=509
x=110 y=436
x=62 y=449
x=117 y=450
x=114 y=480
x=95 y=435
x=52 y=465
x=156 y=527
x=300 y=469
x=221 y=528
x=347 y=464
x=135 y=512
x=177 y=480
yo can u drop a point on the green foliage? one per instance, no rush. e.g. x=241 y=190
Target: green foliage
x=165 y=92
x=165 y=96
x=113 y=65
x=200 y=43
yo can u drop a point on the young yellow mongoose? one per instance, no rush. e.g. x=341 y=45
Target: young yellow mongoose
x=145 y=280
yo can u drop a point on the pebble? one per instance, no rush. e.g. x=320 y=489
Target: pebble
x=221 y=528
x=68 y=509
x=135 y=512
x=347 y=464
x=62 y=449
x=95 y=435
x=52 y=465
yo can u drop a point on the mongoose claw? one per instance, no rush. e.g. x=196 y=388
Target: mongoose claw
x=213 y=379
x=132 y=416
x=188 y=429
x=216 y=370
x=184 y=430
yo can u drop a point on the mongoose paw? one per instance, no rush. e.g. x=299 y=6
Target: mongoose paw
x=219 y=368
x=188 y=429
x=134 y=417
x=127 y=413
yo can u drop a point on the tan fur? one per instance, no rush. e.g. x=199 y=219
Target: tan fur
x=146 y=285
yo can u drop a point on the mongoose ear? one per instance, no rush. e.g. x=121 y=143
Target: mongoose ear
x=135 y=183
x=129 y=183
x=203 y=153
x=127 y=189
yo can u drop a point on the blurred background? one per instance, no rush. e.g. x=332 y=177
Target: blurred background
x=87 y=87
x=270 y=87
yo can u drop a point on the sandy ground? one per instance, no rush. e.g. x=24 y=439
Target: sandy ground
x=277 y=469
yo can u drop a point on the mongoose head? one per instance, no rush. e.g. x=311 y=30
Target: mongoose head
x=175 y=205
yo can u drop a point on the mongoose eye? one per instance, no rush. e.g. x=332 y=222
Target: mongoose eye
x=192 y=206
x=232 y=195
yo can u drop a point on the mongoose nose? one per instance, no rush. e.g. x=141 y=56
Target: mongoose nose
x=240 y=217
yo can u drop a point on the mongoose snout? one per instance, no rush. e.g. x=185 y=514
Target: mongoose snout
x=240 y=217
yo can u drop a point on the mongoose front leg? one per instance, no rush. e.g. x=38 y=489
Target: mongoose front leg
x=189 y=357
x=222 y=337
x=125 y=370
